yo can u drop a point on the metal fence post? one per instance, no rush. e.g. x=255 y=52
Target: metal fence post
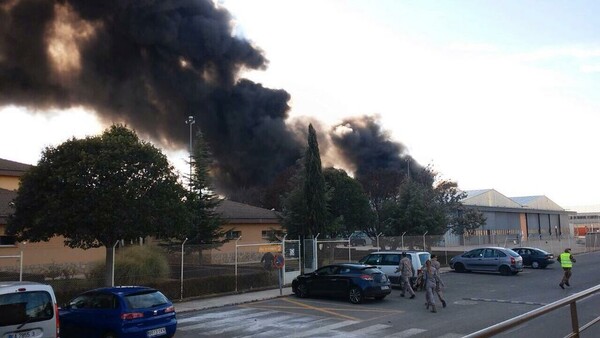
x=236 y=263
x=404 y=233
x=113 y=264
x=181 y=291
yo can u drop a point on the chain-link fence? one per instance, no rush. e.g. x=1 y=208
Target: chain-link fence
x=185 y=271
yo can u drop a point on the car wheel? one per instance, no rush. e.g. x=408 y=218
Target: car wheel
x=458 y=267
x=535 y=264
x=355 y=295
x=302 y=290
x=505 y=270
x=380 y=297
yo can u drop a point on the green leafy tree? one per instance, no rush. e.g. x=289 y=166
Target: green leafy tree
x=382 y=187
x=467 y=221
x=98 y=190
x=423 y=207
x=314 y=186
x=348 y=204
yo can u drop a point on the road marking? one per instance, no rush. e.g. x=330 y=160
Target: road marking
x=406 y=333
x=325 y=329
x=370 y=330
x=212 y=315
x=504 y=301
x=228 y=318
x=320 y=310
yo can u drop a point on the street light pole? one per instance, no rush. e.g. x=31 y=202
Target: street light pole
x=190 y=121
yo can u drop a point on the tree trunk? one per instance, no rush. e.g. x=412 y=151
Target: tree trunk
x=109 y=266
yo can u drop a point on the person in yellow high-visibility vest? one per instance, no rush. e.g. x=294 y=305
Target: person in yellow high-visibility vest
x=566 y=262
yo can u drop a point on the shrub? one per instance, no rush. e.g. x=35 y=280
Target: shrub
x=135 y=265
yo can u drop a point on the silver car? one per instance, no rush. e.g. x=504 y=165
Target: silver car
x=495 y=259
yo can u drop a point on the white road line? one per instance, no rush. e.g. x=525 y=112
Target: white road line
x=228 y=320
x=452 y=335
x=370 y=330
x=213 y=315
x=406 y=333
x=325 y=329
x=278 y=329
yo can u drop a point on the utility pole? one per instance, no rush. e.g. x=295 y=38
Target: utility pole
x=191 y=122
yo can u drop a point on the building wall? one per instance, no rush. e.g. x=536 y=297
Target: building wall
x=40 y=254
x=9 y=182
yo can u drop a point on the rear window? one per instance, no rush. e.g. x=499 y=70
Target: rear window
x=145 y=300
x=512 y=253
x=370 y=271
x=21 y=307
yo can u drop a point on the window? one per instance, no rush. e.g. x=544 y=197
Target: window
x=145 y=300
x=8 y=240
x=23 y=307
x=233 y=234
x=271 y=234
x=391 y=259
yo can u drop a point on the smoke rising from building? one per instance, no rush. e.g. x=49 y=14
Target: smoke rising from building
x=151 y=64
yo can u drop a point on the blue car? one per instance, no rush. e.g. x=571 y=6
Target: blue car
x=114 y=312
x=352 y=281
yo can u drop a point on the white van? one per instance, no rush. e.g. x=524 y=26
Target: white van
x=29 y=310
x=388 y=261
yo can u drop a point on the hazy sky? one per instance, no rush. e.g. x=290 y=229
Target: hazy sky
x=494 y=94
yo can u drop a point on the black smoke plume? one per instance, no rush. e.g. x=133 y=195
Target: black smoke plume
x=153 y=63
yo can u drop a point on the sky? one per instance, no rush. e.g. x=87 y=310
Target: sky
x=494 y=95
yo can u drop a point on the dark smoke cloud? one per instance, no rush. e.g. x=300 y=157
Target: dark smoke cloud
x=366 y=147
x=151 y=64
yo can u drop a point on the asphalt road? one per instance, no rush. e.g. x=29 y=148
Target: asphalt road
x=475 y=301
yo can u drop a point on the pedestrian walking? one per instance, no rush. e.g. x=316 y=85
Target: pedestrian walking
x=566 y=262
x=406 y=271
x=439 y=284
x=432 y=277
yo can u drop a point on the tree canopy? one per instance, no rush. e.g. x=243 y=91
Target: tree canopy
x=348 y=203
x=98 y=190
x=205 y=224
x=314 y=186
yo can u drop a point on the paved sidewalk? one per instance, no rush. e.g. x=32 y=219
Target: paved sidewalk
x=241 y=298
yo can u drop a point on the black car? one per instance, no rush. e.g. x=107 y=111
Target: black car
x=353 y=281
x=535 y=257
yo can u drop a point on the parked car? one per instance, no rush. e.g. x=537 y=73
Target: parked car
x=358 y=238
x=353 y=281
x=497 y=259
x=388 y=261
x=535 y=257
x=28 y=309
x=111 y=312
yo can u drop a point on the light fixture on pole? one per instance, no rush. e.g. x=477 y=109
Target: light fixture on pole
x=190 y=121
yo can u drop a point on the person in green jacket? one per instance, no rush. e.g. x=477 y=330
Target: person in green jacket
x=566 y=262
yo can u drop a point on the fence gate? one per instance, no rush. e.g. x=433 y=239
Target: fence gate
x=293 y=261
x=310 y=255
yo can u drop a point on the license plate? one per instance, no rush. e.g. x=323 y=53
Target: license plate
x=385 y=287
x=156 y=332
x=26 y=334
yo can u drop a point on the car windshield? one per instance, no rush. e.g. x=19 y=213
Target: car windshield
x=17 y=308
x=145 y=300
